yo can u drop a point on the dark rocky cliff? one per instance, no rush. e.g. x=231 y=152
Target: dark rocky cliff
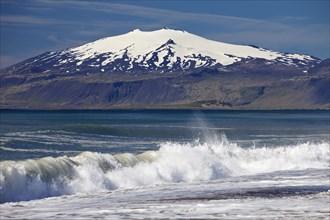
x=253 y=86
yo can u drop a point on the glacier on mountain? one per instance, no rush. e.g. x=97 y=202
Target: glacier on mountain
x=165 y=50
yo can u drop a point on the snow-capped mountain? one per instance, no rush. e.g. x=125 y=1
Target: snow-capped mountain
x=165 y=69
x=164 y=50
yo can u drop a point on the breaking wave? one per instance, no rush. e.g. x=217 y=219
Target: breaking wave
x=174 y=162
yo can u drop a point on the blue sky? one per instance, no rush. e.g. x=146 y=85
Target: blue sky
x=31 y=27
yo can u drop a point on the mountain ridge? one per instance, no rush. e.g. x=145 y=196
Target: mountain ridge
x=166 y=69
x=164 y=50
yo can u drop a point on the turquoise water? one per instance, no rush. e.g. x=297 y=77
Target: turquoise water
x=37 y=134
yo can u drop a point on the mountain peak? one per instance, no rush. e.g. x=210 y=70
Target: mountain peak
x=161 y=50
x=165 y=67
x=142 y=49
x=164 y=29
x=136 y=30
x=172 y=29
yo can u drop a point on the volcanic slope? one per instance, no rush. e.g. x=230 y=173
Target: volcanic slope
x=166 y=68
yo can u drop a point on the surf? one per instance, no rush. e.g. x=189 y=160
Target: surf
x=213 y=158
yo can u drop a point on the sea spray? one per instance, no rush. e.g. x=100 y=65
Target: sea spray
x=174 y=162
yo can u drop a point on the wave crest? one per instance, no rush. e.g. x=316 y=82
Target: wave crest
x=173 y=162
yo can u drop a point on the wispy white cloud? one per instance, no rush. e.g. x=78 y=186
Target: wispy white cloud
x=64 y=42
x=24 y=19
x=40 y=9
x=162 y=15
x=294 y=18
x=274 y=33
x=6 y=60
x=294 y=42
x=155 y=16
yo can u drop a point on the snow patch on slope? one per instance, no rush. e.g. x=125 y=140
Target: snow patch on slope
x=165 y=50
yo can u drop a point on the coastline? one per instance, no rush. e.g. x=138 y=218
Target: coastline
x=163 y=108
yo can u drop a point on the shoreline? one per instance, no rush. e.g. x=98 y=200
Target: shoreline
x=161 y=109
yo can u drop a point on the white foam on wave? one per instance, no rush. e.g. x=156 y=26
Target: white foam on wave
x=172 y=163
x=253 y=160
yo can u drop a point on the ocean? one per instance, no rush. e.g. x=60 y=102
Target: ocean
x=158 y=164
